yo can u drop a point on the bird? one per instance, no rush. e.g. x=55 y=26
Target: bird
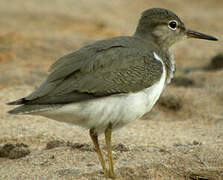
x=106 y=84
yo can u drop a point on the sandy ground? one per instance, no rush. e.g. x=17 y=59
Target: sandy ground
x=181 y=138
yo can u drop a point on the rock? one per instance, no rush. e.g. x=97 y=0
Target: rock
x=54 y=143
x=81 y=146
x=5 y=149
x=215 y=64
x=14 y=151
x=182 y=82
x=170 y=103
x=120 y=147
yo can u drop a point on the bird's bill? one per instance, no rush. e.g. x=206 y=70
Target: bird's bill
x=195 y=34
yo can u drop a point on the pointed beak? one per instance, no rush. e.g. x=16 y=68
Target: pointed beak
x=195 y=34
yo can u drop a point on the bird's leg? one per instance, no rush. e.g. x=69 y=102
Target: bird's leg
x=94 y=138
x=108 y=133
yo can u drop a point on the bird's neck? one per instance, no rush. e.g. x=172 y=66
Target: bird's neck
x=150 y=37
x=162 y=50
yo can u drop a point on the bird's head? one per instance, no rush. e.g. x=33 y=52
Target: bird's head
x=165 y=28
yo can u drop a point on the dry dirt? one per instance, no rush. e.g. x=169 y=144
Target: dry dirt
x=181 y=138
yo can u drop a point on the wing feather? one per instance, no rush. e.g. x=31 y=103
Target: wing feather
x=100 y=69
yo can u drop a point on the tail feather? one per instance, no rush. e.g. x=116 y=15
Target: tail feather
x=17 y=102
x=30 y=109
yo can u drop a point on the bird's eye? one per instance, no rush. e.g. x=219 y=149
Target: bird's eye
x=172 y=24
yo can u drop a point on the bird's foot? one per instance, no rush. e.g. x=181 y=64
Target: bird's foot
x=110 y=174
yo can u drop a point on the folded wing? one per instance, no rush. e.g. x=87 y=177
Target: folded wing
x=107 y=67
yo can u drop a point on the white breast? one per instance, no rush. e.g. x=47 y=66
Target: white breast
x=155 y=91
x=117 y=109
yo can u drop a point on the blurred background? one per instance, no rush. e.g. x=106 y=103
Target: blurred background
x=187 y=118
x=34 y=34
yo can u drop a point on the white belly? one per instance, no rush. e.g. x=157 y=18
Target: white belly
x=117 y=109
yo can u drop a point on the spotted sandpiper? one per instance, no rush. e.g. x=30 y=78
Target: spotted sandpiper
x=107 y=84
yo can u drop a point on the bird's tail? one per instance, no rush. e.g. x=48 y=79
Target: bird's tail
x=31 y=109
x=17 y=102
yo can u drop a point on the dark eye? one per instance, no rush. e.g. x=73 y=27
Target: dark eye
x=172 y=24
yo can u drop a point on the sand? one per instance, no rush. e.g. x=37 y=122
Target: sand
x=181 y=138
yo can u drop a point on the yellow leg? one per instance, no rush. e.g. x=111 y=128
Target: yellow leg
x=108 y=133
x=94 y=138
